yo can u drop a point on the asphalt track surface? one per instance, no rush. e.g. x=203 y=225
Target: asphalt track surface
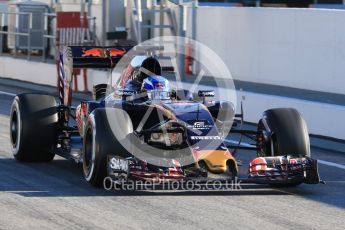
x=54 y=195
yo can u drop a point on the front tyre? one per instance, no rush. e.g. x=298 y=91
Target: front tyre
x=99 y=142
x=288 y=133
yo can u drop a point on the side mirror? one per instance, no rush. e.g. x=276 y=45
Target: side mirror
x=126 y=93
x=205 y=93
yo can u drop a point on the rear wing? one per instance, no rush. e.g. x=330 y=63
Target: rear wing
x=103 y=57
x=84 y=57
x=92 y=56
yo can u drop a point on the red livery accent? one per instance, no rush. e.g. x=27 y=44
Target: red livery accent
x=94 y=52
x=116 y=52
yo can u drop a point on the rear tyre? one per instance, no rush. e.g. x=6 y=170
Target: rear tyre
x=99 y=142
x=33 y=127
x=288 y=133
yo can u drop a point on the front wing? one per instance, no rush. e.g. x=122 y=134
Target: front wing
x=262 y=170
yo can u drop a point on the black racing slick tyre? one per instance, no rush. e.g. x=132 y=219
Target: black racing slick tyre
x=288 y=133
x=33 y=127
x=99 y=142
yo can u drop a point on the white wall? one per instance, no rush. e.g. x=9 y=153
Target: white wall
x=301 y=48
x=42 y=73
x=322 y=119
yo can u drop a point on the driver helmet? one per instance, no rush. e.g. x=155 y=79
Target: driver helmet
x=156 y=83
x=157 y=88
x=150 y=66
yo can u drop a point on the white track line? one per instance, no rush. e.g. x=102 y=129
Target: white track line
x=328 y=163
x=331 y=164
x=8 y=94
x=236 y=142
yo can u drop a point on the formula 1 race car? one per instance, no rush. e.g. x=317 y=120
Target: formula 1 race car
x=141 y=129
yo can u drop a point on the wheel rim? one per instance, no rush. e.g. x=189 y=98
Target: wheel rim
x=15 y=129
x=88 y=159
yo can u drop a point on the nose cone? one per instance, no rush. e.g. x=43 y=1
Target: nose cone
x=216 y=160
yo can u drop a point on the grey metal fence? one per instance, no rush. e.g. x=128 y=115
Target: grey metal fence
x=15 y=33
